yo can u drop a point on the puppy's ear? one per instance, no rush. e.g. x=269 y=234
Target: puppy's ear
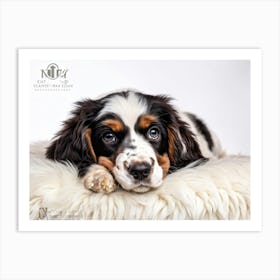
x=88 y=139
x=73 y=142
x=182 y=146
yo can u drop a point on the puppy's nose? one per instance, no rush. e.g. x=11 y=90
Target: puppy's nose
x=140 y=171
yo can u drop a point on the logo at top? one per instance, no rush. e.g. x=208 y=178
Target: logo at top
x=53 y=72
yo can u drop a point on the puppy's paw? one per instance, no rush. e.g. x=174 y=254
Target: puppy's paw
x=99 y=179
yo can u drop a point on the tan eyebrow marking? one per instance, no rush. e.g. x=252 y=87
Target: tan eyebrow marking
x=115 y=125
x=146 y=120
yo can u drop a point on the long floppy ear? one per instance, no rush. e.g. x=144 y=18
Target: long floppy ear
x=88 y=137
x=73 y=142
x=182 y=146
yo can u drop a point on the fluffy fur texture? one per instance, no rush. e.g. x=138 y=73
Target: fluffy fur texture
x=136 y=138
x=218 y=189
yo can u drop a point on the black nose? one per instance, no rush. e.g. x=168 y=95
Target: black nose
x=140 y=171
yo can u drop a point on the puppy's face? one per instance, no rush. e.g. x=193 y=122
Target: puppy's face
x=138 y=137
x=130 y=139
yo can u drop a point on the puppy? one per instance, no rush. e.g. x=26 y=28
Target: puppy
x=132 y=140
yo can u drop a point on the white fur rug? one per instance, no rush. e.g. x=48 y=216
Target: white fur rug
x=219 y=189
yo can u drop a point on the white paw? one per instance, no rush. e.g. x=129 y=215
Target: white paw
x=99 y=179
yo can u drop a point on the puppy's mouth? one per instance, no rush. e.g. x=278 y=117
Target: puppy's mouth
x=141 y=189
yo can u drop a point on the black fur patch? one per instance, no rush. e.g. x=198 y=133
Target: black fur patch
x=202 y=128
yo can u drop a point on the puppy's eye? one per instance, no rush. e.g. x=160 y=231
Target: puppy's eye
x=109 y=138
x=153 y=134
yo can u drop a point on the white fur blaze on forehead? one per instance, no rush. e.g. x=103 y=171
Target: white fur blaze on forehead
x=127 y=108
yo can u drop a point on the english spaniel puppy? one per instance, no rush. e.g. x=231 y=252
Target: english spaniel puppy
x=132 y=140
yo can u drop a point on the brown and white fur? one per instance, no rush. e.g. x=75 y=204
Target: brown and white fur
x=132 y=140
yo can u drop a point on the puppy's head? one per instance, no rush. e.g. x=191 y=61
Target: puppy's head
x=139 y=138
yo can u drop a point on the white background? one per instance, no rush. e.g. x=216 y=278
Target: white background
x=217 y=91
x=140 y=255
